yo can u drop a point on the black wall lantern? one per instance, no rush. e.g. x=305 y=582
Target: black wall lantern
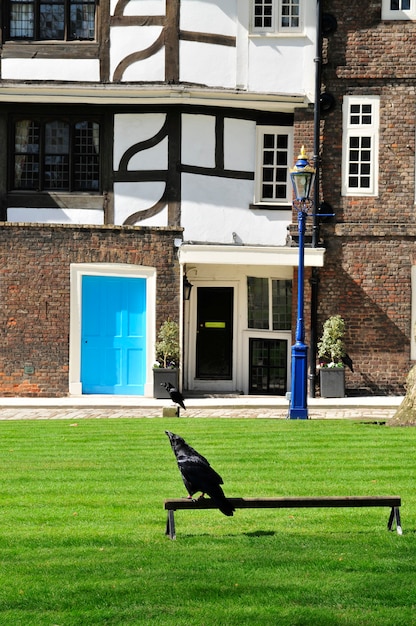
x=187 y=287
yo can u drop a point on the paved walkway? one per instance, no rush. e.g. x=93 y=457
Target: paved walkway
x=110 y=407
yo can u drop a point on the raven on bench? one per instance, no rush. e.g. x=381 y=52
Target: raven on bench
x=393 y=502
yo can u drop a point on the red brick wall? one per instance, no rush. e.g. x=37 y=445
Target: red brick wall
x=35 y=293
x=370 y=245
x=366 y=279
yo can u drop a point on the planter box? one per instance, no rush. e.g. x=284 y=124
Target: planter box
x=332 y=382
x=161 y=375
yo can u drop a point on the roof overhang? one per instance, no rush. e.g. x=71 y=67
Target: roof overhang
x=248 y=255
x=139 y=94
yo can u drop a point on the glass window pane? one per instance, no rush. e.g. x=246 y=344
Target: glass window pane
x=56 y=172
x=86 y=156
x=57 y=137
x=289 y=14
x=82 y=20
x=282 y=304
x=258 y=302
x=52 y=19
x=56 y=162
x=275 y=155
x=22 y=19
x=26 y=161
x=263 y=14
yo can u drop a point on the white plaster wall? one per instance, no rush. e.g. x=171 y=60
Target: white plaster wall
x=207 y=64
x=132 y=197
x=127 y=40
x=239 y=145
x=141 y=7
x=56 y=216
x=283 y=63
x=286 y=67
x=85 y=70
x=198 y=140
x=130 y=129
x=215 y=208
x=206 y=16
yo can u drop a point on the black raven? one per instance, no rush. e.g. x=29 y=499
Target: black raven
x=175 y=394
x=197 y=473
x=347 y=360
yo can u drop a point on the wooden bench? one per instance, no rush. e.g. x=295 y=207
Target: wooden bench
x=393 y=502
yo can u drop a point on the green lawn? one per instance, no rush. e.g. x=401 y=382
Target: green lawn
x=82 y=525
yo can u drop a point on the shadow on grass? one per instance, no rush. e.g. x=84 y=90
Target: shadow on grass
x=260 y=533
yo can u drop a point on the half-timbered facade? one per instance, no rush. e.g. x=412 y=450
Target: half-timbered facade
x=165 y=129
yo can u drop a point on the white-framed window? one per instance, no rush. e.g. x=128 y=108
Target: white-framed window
x=360 y=146
x=277 y=16
x=398 y=10
x=274 y=160
x=269 y=303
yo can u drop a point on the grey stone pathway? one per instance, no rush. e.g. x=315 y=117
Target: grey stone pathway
x=113 y=412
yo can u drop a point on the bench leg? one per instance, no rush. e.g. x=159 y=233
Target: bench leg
x=395 y=517
x=170 y=525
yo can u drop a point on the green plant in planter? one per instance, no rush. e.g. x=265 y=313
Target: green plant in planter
x=168 y=347
x=331 y=347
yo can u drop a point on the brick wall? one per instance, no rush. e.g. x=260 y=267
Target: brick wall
x=35 y=293
x=370 y=245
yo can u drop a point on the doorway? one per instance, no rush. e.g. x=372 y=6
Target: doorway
x=214 y=333
x=113 y=335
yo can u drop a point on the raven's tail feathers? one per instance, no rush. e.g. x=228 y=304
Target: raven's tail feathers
x=227 y=508
x=221 y=501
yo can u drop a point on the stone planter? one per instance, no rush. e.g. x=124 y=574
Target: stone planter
x=162 y=375
x=332 y=382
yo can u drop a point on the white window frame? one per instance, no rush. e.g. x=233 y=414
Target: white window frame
x=413 y=315
x=354 y=128
x=276 y=130
x=276 y=27
x=387 y=13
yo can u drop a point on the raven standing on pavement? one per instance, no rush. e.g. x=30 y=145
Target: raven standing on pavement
x=175 y=394
x=197 y=473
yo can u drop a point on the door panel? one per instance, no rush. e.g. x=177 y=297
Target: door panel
x=113 y=335
x=214 y=344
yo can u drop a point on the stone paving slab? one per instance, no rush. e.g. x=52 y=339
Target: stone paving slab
x=77 y=413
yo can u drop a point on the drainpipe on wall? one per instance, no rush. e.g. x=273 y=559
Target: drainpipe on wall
x=315 y=228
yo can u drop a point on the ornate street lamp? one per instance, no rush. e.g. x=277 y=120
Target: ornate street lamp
x=302 y=176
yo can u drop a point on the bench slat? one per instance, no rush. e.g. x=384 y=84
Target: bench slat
x=394 y=502
x=175 y=504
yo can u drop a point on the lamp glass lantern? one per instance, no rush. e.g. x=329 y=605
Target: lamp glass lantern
x=302 y=176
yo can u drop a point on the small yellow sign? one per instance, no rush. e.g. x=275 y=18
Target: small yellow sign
x=214 y=324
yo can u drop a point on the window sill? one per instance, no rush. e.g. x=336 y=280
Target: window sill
x=277 y=34
x=270 y=207
x=50 y=49
x=55 y=199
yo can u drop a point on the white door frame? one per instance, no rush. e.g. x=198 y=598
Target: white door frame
x=120 y=270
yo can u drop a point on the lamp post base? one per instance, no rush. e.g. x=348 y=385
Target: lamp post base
x=298 y=409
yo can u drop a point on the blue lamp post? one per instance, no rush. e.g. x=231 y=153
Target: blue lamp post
x=302 y=176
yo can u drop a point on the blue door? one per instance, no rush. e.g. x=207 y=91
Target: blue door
x=113 y=335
